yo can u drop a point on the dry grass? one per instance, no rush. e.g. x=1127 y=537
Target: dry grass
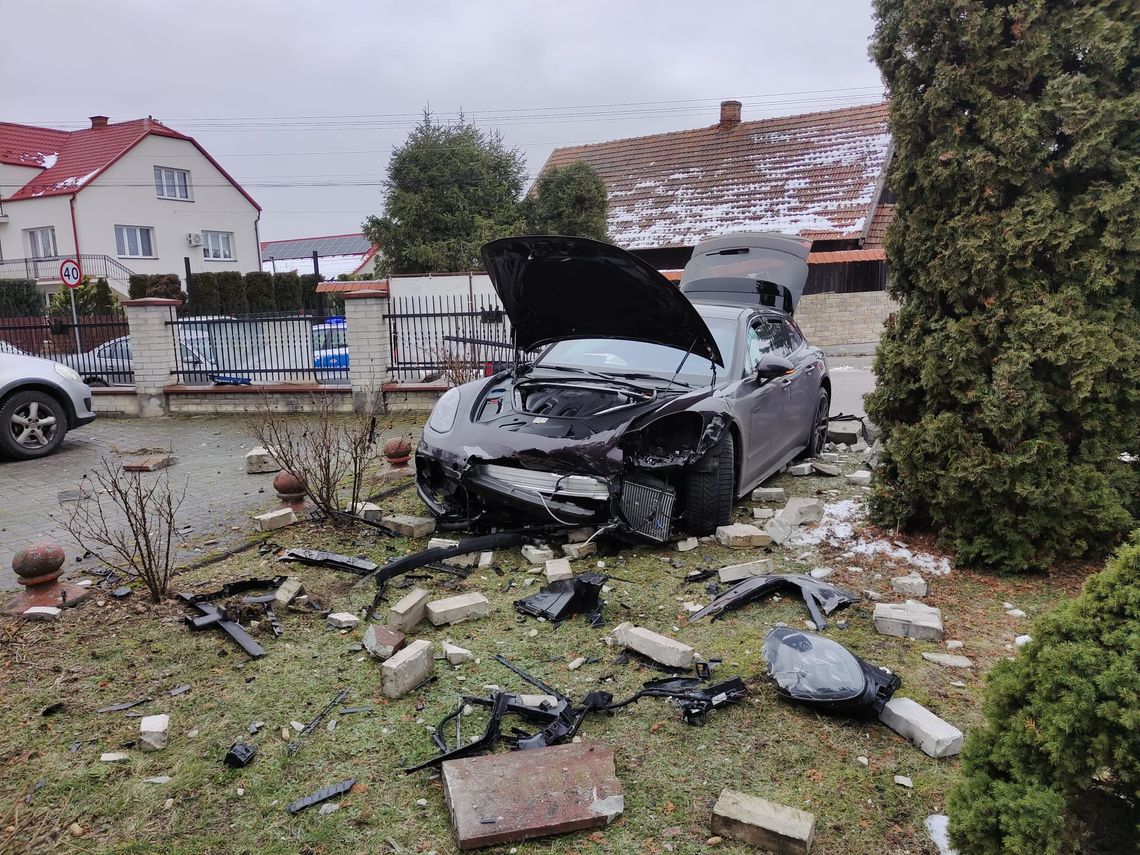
x=98 y=655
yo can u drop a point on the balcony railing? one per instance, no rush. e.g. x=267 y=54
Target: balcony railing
x=47 y=269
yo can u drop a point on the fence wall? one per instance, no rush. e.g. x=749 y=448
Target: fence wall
x=441 y=336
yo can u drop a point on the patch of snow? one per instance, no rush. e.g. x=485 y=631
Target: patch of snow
x=1125 y=457
x=922 y=560
x=842 y=368
x=836 y=528
x=937 y=826
x=47 y=159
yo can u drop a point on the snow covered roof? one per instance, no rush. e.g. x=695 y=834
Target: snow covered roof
x=814 y=175
x=71 y=159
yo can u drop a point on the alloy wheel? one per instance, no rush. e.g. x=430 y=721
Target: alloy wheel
x=33 y=426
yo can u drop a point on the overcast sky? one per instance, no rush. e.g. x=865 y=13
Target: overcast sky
x=303 y=101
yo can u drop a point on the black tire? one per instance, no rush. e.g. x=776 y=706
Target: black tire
x=95 y=381
x=710 y=492
x=25 y=441
x=817 y=432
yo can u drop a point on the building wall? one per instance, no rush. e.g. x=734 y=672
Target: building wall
x=33 y=214
x=852 y=318
x=125 y=195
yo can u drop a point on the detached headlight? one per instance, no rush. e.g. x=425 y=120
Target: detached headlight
x=67 y=373
x=443 y=416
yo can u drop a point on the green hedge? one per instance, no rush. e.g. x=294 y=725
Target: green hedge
x=166 y=285
x=204 y=298
x=20 y=298
x=231 y=292
x=259 y=292
x=1056 y=768
x=287 y=291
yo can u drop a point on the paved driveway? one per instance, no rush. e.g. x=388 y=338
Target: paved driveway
x=211 y=460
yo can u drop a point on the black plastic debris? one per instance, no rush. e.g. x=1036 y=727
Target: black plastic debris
x=321 y=796
x=819 y=597
x=822 y=673
x=692 y=698
x=123 y=706
x=179 y=690
x=295 y=746
x=564 y=598
x=352 y=710
x=120 y=593
x=333 y=560
x=213 y=617
x=52 y=709
x=240 y=754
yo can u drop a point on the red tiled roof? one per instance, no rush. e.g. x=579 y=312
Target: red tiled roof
x=813 y=175
x=883 y=216
x=847 y=255
x=71 y=159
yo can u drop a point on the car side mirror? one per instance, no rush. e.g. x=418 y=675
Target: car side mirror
x=771 y=367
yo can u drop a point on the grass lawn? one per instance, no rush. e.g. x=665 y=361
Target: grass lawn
x=56 y=795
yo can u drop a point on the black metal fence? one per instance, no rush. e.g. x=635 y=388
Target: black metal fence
x=448 y=337
x=261 y=348
x=97 y=347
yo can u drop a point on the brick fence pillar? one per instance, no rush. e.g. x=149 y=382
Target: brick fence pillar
x=152 y=350
x=369 y=345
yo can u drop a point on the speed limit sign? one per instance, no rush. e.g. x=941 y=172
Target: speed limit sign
x=69 y=273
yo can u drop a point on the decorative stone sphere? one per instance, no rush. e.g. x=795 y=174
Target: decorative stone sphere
x=398 y=450
x=38 y=563
x=288 y=485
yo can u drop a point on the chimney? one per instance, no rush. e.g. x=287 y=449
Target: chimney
x=101 y=121
x=729 y=113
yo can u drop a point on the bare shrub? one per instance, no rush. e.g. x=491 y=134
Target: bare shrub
x=133 y=517
x=456 y=368
x=330 y=452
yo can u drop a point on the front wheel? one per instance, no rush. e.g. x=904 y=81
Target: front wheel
x=709 y=492
x=32 y=424
x=817 y=437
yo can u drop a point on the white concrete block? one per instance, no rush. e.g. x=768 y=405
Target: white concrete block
x=407 y=669
x=458 y=608
x=908 y=620
x=740 y=572
x=914 y=722
x=799 y=511
x=741 y=535
x=274 y=520
x=950 y=660
x=287 y=591
x=259 y=460
x=558 y=568
x=537 y=554
x=763 y=513
x=911 y=585
x=153 y=732
x=409 y=611
x=382 y=641
x=768 y=494
x=574 y=551
x=686 y=545
x=343 y=620
x=759 y=822
x=467 y=559
x=660 y=648
x=862 y=478
x=455 y=654
x=406 y=525
x=368 y=511
x=42 y=613
x=801 y=469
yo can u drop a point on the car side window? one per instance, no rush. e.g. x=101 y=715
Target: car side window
x=758 y=342
x=794 y=335
x=115 y=350
x=781 y=339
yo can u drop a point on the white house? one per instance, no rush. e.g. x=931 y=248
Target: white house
x=128 y=197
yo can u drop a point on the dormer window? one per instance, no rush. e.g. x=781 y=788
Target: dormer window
x=171 y=183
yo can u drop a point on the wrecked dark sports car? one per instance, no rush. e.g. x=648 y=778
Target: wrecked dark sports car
x=649 y=407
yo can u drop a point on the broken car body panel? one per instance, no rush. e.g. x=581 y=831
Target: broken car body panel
x=748 y=268
x=552 y=288
x=613 y=428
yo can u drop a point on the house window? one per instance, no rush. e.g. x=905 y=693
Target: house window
x=134 y=241
x=218 y=246
x=171 y=183
x=41 y=242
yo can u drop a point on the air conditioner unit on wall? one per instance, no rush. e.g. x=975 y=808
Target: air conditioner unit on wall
x=194 y=239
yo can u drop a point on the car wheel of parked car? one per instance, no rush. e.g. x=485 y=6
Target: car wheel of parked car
x=818 y=435
x=95 y=381
x=34 y=424
x=709 y=494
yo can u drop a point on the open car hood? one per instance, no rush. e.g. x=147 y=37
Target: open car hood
x=565 y=287
x=748 y=268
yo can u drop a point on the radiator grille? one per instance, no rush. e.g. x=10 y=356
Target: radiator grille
x=648 y=509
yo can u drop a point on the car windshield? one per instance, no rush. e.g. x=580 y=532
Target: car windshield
x=620 y=356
